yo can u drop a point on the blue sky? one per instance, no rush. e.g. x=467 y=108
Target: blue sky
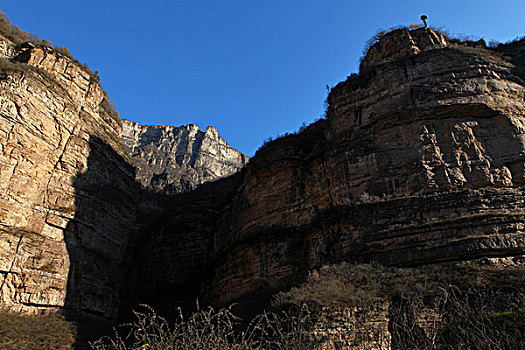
x=253 y=69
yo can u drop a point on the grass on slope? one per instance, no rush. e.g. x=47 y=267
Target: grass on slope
x=31 y=332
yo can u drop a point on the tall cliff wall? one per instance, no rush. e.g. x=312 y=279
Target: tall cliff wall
x=67 y=196
x=420 y=160
x=176 y=159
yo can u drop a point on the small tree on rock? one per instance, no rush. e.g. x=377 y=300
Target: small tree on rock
x=424 y=19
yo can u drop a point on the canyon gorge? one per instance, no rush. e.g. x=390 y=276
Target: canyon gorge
x=419 y=160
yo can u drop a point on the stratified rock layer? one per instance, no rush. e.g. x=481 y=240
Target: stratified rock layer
x=177 y=159
x=420 y=160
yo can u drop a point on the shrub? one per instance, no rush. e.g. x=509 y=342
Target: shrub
x=63 y=51
x=213 y=330
x=463 y=306
x=13 y=32
x=6 y=64
x=18 y=36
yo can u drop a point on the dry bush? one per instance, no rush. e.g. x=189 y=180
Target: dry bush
x=480 y=317
x=14 y=66
x=292 y=329
x=63 y=51
x=462 y=319
x=11 y=31
x=18 y=36
x=214 y=330
x=359 y=306
x=151 y=331
x=7 y=65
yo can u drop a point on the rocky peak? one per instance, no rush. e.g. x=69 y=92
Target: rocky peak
x=176 y=159
x=400 y=43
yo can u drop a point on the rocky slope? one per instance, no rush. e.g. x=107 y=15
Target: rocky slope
x=177 y=159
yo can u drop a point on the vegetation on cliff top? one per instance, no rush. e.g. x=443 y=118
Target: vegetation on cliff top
x=512 y=51
x=19 y=36
x=493 y=47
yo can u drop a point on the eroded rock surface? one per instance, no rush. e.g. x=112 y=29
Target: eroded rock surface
x=177 y=159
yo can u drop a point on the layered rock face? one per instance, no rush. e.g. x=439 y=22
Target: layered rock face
x=67 y=197
x=177 y=159
x=420 y=160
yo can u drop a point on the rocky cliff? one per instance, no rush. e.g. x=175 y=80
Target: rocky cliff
x=77 y=186
x=177 y=159
x=67 y=202
x=420 y=160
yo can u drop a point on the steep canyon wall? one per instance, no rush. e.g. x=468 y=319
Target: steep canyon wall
x=85 y=193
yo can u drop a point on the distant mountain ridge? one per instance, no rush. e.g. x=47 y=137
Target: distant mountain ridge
x=177 y=159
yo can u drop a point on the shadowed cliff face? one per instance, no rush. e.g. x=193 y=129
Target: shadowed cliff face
x=67 y=198
x=168 y=259
x=96 y=238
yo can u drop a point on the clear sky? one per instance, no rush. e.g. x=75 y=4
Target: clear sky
x=252 y=68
